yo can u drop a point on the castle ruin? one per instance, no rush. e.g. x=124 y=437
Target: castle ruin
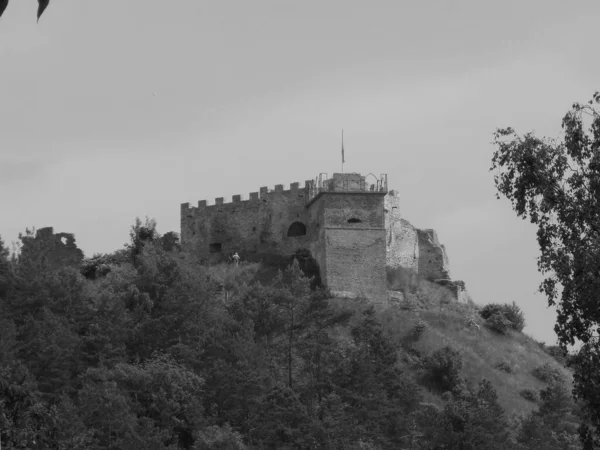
x=350 y=223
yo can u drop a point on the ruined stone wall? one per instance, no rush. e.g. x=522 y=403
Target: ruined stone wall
x=402 y=243
x=433 y=260
x=356 y=235
x=316 y=214
x=257 y=226
x=59 y=249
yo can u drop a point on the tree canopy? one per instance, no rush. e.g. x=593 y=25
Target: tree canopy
x=146 y=347
x=555 y=183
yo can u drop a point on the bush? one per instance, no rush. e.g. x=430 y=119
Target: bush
x=219 y=438
x=504 y=366
x=499 y=323
x=490 y=309
x=529 y=394
x=418 y=329
x=443 y=368
x=557 y=353
x=512 y=313
x=547 y=374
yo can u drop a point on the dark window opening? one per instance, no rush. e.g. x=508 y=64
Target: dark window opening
x=214 y=248
x=296 y=229
x=354 y=220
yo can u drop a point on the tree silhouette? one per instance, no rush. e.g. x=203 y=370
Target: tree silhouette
x=556 y=185
x=42 y=5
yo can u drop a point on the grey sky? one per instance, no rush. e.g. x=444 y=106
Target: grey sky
x=115 y=109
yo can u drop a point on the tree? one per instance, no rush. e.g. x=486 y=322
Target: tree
x=5 y=270
x=42 y=5
x=556 y=185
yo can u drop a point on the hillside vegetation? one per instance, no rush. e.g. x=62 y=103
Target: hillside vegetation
x=146 y=348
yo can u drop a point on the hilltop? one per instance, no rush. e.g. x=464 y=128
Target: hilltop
x=149 y=348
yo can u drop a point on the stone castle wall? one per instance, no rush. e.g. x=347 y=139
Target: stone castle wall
x=402 y=241
x=353 y=243
x=433 y=260
x=258 y=225
x=353 y=229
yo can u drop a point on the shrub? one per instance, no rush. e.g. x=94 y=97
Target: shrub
x=555 y=399
x=547 y=373
x=557 y=353
x=490 y=309
x=529 y=394
x=512 y=313
x=418 y=329
x=499 y=323
x=219 y=437
x=443 y=368
x=504 y=366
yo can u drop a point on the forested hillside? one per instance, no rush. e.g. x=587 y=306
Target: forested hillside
x=146 y=348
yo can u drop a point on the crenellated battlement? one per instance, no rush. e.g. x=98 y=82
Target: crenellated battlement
x=348 y=222
x=254 y=197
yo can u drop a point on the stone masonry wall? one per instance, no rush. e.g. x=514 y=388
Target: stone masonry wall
x=352 y=232
x=354 y=245
x=433 y=261
x=402 y=243
x=255 y=226
x=356 y=262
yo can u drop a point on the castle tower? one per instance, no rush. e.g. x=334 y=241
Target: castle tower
x=350 y=239
x=350 y=224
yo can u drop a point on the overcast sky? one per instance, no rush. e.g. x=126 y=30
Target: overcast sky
x=114 y=109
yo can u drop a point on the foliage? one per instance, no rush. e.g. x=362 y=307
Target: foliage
x=504 y=366
x=559 y=354
x=499 y=323
x=219 y=438
x=42 y=5
x=5 y=270
x=418 y=329
x=556 y=185
x=443 y=369
x=147 y=348
x=529 y=394
x=472 y=420
x=547 y=373
x=512 y=313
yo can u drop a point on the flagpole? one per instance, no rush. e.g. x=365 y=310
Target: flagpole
x=343 y=150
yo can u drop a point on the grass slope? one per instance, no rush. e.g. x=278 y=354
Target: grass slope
x=483 y=350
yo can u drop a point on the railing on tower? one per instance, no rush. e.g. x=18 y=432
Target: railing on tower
x=349 y=182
